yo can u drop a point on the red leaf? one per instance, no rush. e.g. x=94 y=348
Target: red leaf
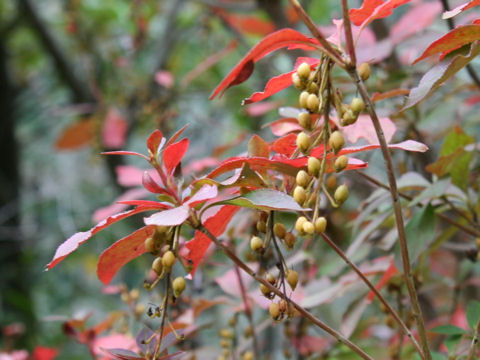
x=114 y=131
x=121 y=253
x=154 y=140
x=453 y=40
x=285 y=145
x=261 y=108
x=117 y=206
x=216 y=224
x=155 y=204
x=151 y=185
x=206 y=192
x=122 y=152
x=73 y=242
x=44 y=353
x=246 y=24
x=274 y=41
x=408 y=145
x=284 y=126
x=459 y=9
x=176 y=135
x=171 y=217
x=76 y=135
x=392 y=270
x=280 y=82
x=389 y=94
x=373 y=9
x=173 y=154
x=258 y=147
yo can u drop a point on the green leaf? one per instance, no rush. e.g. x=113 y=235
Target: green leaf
x=473 y=313
x=455 y=139
x=448 y=330
x=420 y=232
x=440 y=73
x=265 y=199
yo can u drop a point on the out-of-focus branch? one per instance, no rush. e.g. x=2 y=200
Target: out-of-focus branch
x=274 y=9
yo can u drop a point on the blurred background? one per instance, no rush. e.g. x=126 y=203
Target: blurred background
x=78 y=77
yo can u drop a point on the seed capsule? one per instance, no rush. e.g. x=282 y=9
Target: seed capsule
x=299 y=195
x=341 y=194
x=290 y=240
x=248 y=356
x=302 y=99
x=279 y=230
x=364 y=71
x=305 y=120
x=292 y=278
x=340 y=163
x=336 y=141
x=282 y=306
x=331 y=182
x=313 y=102
x=348 y=118
x=266 y=291
x=303 y=71
x=261 y=226
x=168 y=259
x=308 y=227
x=303 y=142
x=299 y=223
x=320 y=225
x=357 y=105
x=313 y=166
x=149 y=244
x=271 y=279
x=313 y=88
x=157 y=265
x=226 y=333
x=256 y=243
x=302 y=179
x=274 y=311
x=297 y=82
x=178 y=286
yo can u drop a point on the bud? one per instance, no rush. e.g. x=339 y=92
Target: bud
x=305 y=120
x=303 y=142
x=149 y=244
x=256 y=243
x=274 y=311
x=336 y=141
x=299 y=195
x=364 y=71
x=313 y=102
x=168 y=259
x=308 y=227
x=279 y=230
x=341 y=194
x=178 y=286
x=303 y=71
x=292 y=278
x=302 y=179
x=357 y=105
x=302 y=99
x=313 y=166
x=299 y=223
x=340 y=163
x=290 y=240
x=320 y=225
x=157 y=265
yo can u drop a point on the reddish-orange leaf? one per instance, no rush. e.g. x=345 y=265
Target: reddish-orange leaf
x=389 y=94
x=392 y=270
x=258 y=147
x=285 y=145
x=173 y=154
x=246 y=24
x=453 y=40
x=77 y=135
x=274 y=41
x=373 y=9
x=122 y=252
x=154 y=140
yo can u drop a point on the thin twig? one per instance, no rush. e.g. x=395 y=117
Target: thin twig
x=339 y=337
x=397 y=318
x=462 y=227
x=348 y=35
x=474 y=345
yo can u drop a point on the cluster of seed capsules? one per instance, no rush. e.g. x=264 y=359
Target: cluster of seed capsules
x=227 y=342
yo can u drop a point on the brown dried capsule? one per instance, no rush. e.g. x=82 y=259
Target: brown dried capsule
x=292 y=278
x=303 y=142
x=320 y=225
x=302 y=179
x=313 y=102
x=303 y=71
x=364 y=71
x=282 y=306
x=336 y=141
x=341 y=194
x=299 y=195
x=290 y=240
x=168 y=259
x=305 y=120
x=331 y=182
x=256 y=243
x=313 y=166
x=302 y=99
x=178 y=286
x=279 y=230
x=340 y=163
